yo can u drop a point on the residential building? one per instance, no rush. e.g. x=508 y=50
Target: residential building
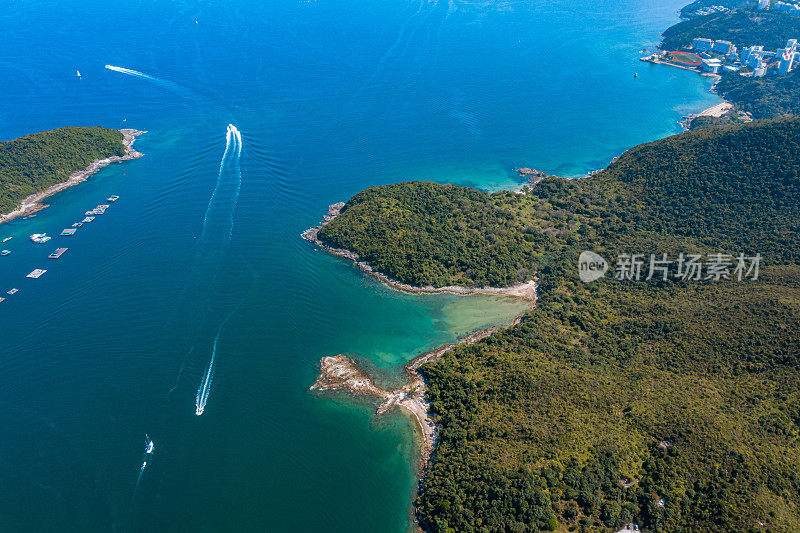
x=723 y=47
x=746 y=51
x=711 y=65
x=763 y=4
x=792 y=9
x=755 y=59
x=702 y=44
x=787 y=61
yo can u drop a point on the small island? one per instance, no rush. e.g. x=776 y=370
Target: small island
x=39 y=165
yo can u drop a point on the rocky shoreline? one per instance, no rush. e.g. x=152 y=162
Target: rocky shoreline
x=525 y=291
x=32 y=203
x=341 y=373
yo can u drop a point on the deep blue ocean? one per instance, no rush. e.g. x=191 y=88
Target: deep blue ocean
x=201 y=257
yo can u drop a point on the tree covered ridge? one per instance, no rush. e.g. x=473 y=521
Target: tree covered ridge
x=733 y=187
x=429 y=234
x=675 y=405
x=31 y=163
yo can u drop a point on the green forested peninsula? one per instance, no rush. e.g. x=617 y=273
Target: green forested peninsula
x=672 y=404
x=34 y=162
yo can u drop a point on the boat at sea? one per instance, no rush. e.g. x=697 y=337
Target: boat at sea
x=58 y=253
x=7 y=239
x=13 y=292
x=5 y=252
x=86 y=220
x=2 y=300
x=148 y=450
x=40 y=238
x=113 y=198
x=36 y=273
x=68 y=231
x=77 y=225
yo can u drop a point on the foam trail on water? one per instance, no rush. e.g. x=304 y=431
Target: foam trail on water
x=183 y=91
x=238 y=140
x=228 y=139
x=233 y=145
x=131 y=72
x=180 y=371
x=205 y=386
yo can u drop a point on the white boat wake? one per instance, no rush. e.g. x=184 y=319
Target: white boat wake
x=233 y=145
x=172 y=86
x=205 y=386
x=131 y=72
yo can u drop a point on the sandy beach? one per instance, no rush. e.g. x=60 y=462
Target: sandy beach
x=32 y=203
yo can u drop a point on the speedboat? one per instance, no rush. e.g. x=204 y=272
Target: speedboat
x=7 y=239
x=148 y=450
x=5 y=252
x=12 y=292
x=113 y=198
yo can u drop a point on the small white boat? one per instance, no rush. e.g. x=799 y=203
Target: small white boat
x=40 y=238
x=7 y=239
x=78 y=73
x=148 y=450
x=12 y=292
x=5 y=252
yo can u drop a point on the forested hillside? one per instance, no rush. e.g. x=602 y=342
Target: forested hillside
x=673 y=404
x=34 y=162
x=766 y=97
x=742 y=27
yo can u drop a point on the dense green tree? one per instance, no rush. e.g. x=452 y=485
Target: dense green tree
x=32 y=163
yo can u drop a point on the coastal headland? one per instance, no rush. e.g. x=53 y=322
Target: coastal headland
x=525 y=291
x=33 y=202
x=340 y=372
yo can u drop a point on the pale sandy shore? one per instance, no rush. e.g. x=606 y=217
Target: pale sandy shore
x=713 y=111
x=717 y=110
x=339 y=372
x=32 y=203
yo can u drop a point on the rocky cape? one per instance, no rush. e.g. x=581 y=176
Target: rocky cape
x=32 y=203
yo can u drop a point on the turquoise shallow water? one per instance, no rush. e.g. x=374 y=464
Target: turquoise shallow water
x=330 y=97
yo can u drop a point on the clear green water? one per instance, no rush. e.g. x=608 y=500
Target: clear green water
x=330 y=97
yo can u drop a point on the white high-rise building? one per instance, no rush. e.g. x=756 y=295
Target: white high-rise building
x=787 y=61
x=702 y=44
